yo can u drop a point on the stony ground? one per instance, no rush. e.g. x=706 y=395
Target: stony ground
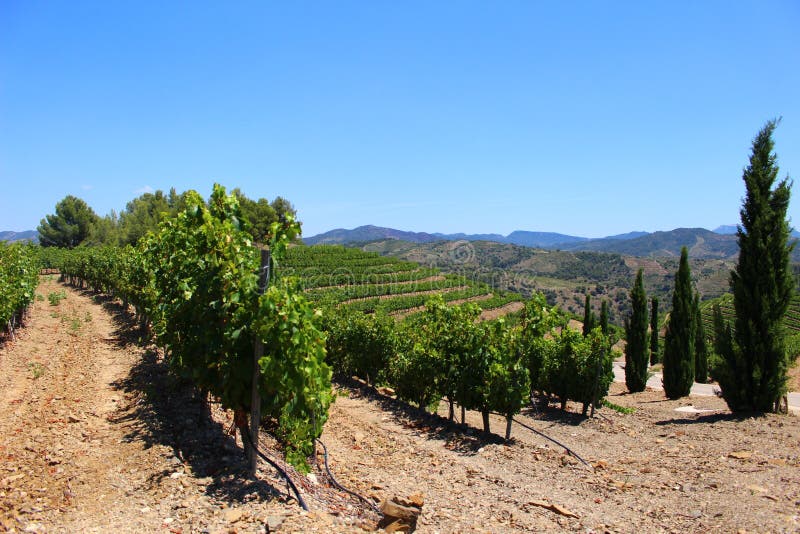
x=96 y=437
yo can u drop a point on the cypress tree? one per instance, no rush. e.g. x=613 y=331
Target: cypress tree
x=604 y=317
x=636 y=356
x=679 y=340
x=589 y=318
x=654 y=331
x=752 y=371
x=700 y=346
x=722 y=332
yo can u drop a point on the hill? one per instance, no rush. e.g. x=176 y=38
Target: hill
x=367 y=233
x=28 y=235
x=701 y=243
x=368 y=282
x=565 y=277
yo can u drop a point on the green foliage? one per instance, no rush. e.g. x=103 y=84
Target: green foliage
x=654 y=349
x=450 y=333
x=19 y=276
x=580 y=369
x=700 y=344
x=295 y=380
x=204 y=272
x=143 y=215
x=617 y=408
x=197 y=280
x=69 y=226
x=679 y=341
x=509 y=383
x=261 y=215
x=413 y=370
x=36 y=369
x=604 y=317
x=636 y=356
x=536 y=338
x=589 y=318
x=359 y=344
x=754 y=364
x=54 y=298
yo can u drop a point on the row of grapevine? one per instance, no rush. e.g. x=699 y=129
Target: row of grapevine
x=19 y=276
x=402 y=303
x=317 y=278
x=367 y=282
x=197 y=283
x=325 y=257
x=341 y=294
x=445 y=353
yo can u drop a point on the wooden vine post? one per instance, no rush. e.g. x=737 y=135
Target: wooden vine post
x=258 y=352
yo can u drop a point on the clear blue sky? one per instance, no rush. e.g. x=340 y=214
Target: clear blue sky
x=587 y=118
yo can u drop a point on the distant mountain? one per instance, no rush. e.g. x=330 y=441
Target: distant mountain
x=701 y=243
x=362 y=234
x=373 y=233
x=629 y=235
x=542 y=239
x=726 y=229
x=28 y=235
x=497 y=238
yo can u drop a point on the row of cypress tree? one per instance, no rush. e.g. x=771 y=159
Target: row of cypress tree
x=685 y=354
x=753 y=361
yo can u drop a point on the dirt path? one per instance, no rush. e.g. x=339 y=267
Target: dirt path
x=97 y=437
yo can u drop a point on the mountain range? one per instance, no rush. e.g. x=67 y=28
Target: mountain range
x=702 y=243
x=720 y=243
x=28 y=235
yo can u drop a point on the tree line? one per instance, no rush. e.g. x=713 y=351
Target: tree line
x=75 y=223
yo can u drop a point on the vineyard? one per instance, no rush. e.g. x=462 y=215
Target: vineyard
x=791 y=320
x=367 y=282
x=431 y=375
x=19 y=276
x=195 y=286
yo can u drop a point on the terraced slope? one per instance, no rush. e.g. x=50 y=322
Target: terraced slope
x=366 y=281
x=791 y=320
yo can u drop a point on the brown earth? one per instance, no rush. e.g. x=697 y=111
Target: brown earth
x=99 y=438
x=494 y=313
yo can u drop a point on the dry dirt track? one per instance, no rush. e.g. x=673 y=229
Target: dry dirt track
x=97 y=438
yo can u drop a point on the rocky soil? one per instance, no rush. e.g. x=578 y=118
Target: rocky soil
x=95 y=436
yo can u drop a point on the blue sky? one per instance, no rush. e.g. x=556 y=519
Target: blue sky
x=586 y=118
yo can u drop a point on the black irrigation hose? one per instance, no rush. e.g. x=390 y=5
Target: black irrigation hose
x=570 y=451
x=284 y=474
x=342 y=488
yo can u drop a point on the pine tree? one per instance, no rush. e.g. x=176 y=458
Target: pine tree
x=589 y=319
x=636 y=356
x=679 y=341
x=700 y=346
x=752 y=371
x=654 y=331
x=604 y=317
